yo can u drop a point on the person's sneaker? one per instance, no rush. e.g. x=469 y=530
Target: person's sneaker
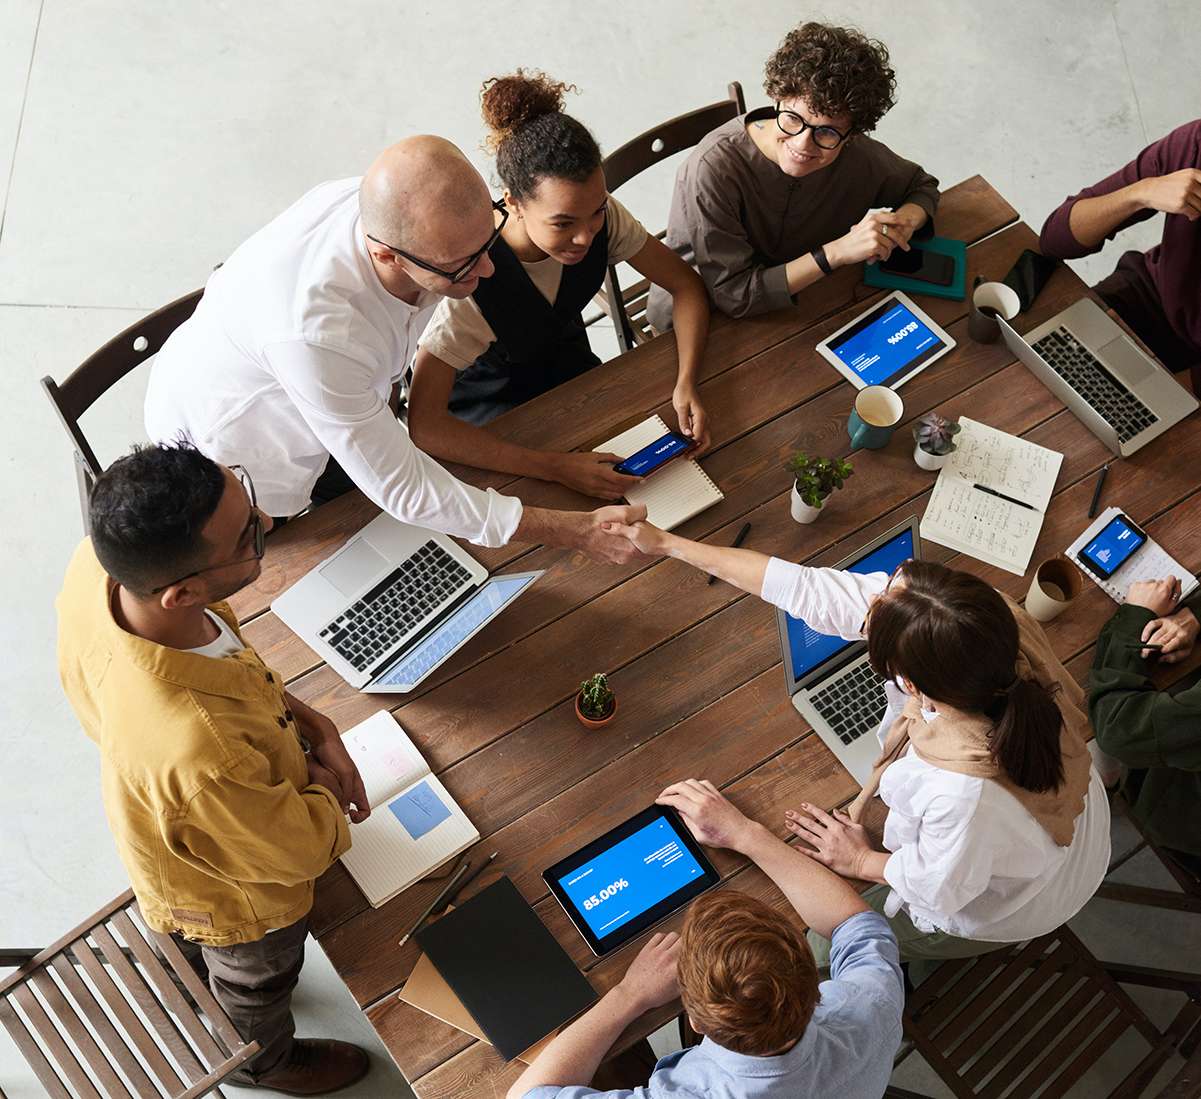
x=317 y=1066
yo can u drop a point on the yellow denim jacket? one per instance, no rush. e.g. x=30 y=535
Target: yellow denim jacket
x=204 y=778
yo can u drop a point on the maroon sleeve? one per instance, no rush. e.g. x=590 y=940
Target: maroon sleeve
x=1177 y=150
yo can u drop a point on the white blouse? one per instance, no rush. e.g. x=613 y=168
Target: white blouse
x=967 y=857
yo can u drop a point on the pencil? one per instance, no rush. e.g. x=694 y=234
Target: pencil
x=454 y=880
x=467 y=881
x=739 y=538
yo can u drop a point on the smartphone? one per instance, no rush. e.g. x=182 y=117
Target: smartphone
x=917 y=263
x=646 y=461
x=1112 y=546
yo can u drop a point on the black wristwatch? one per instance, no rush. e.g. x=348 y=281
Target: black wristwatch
x=819 y=257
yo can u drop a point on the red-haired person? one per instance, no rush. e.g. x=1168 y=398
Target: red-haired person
x=772 y=1029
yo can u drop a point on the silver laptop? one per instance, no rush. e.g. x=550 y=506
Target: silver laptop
x=394 y=603
x=1122 y=395
x=831 y=682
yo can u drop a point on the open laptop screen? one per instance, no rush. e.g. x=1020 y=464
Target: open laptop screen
x=808 y=649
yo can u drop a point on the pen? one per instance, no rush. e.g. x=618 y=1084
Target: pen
x=454 y=880
x=1002 y=496
x=739 y=538
x=1143 y=645
x=1092 y=508
x=465 y=883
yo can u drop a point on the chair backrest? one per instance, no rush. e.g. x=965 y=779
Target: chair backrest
x=101 y=1013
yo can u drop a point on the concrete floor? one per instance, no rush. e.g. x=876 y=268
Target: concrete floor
x=140 y=143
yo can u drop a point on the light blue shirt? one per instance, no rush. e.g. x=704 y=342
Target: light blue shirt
x=846 y=1050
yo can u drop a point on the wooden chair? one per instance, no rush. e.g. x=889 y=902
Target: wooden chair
x=627 y=307
x=52 y=1008
x=100 y=371
x=1187 y=900
x=1030 y=1019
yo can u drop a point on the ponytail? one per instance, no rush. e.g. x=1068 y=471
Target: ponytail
x=1025 y=738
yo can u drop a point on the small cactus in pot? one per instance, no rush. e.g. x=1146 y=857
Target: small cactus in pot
x=934 y=438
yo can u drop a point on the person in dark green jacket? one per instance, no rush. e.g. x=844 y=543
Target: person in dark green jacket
x=1157 y=735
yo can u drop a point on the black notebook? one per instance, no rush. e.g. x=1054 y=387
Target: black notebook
x=496 y=954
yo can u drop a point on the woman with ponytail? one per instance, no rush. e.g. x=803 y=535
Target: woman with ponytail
x=998 y=825
x=520 y=332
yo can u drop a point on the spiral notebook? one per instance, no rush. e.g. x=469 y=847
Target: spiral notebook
x=675 y=493
x=415 y=825
x=1151 y=562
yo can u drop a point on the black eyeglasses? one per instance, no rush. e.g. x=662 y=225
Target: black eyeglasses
x=462 y=272
x=255 y=526
x=824 y=137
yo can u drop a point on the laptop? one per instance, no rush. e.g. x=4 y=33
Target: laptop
x=1121 y=394
x=831 y=682
x=394 y=603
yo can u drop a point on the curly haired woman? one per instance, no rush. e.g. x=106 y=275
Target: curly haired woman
x=774 y=200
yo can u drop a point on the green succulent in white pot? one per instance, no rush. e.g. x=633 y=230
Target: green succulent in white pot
x=934 y=440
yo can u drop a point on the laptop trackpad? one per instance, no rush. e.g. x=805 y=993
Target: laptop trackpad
x=1126 y=361
x=355 y=566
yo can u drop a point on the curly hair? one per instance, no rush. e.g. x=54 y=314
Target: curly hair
x=531 y=136
x=836 y=70
x=747 y=977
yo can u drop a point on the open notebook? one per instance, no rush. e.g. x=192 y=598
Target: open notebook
x=984 y=525
x=415 y=825
x=675 y=493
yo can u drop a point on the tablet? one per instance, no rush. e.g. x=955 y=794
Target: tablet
x=630 y=878
x=887 y=345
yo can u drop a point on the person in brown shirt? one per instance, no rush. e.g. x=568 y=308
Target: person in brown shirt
x=774 y=200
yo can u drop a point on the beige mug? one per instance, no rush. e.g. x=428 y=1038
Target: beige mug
x=1055 y=584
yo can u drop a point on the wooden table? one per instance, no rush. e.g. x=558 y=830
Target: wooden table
x=696 y=667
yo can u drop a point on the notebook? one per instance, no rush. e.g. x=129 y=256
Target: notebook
x=415 y=825
x=1152 y=562
x=675 y=493
x=506 y=968
x=992 y=528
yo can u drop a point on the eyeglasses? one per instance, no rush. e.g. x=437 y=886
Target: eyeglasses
x=462 y=272
x=793 y=124
x=255 y=526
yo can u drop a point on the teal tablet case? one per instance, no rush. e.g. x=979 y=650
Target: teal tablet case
x=956 y=249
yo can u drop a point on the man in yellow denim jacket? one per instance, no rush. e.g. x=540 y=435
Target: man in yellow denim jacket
x=221 y=819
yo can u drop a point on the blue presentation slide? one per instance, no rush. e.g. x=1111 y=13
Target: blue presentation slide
x=635 y=874
x=883 y=348
x=650 y=458
x=810 y=648
x=1113 y=546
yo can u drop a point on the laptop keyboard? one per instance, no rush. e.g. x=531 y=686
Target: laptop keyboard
x=372 y=627
x=852 y=704
x=1085 y=373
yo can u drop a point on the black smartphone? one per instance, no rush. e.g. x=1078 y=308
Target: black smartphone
x=1112 y=546
x=1029 y=275
x=917 y=263
x=644 y=462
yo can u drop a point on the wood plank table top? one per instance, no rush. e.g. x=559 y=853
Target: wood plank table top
x=696 y=667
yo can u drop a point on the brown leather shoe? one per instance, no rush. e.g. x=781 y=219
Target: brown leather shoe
x=317 y=1066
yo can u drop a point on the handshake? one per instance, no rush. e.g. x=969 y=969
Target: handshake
x=620 y=534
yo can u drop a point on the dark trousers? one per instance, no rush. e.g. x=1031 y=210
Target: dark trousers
x=253 y=983
x=1131 y=293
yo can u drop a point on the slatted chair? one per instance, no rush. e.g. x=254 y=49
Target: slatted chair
x=627 y=307
x=1029 y=1020
x=99 y=1013
x=100 y=371
x=1189 y=897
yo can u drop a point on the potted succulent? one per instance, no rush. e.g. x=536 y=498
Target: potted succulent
x=934 y=440
x=595 y=704
x=813 y=479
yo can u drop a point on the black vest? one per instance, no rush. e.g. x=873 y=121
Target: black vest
x=538 y=345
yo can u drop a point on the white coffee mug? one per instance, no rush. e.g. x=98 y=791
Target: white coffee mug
x=1055 y=584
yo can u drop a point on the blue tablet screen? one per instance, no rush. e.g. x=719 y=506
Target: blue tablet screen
x=886 y=344
x=635 y=874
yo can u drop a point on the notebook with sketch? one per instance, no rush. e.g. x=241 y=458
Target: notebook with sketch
x=675 y=493
x=991 y=497
x=1150 y=562
x=415 y=825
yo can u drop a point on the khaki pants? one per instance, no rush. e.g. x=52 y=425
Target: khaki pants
x=253 y=983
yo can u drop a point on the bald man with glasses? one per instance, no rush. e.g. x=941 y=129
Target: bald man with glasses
x=290 y=365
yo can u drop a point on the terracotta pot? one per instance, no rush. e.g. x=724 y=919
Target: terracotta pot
x=803 y=512
x=926 y=460
x=590 y=723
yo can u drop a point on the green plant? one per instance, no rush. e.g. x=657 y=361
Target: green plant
x=596 y=697
x=934 y=434
x=816 y=478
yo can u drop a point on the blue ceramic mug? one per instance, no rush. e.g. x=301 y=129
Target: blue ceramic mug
x=875 y=416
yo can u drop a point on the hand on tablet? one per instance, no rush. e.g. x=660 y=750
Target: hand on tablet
x=710 y=817
x=651 y=979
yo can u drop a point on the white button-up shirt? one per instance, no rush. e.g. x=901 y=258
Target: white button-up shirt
x=291 y=357
x=967 y=857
